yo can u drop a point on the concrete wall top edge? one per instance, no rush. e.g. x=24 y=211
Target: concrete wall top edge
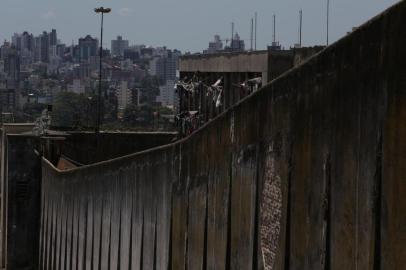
x=110 y=162
x=126 y=132
x=18 y=124
x=22 y=135
x=242 y=62
x=225 y=54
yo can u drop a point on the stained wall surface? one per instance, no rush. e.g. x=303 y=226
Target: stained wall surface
x=308 y=173
x=22 y=202
x=3 y=199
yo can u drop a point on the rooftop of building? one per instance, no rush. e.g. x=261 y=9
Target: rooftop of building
x=198 y=56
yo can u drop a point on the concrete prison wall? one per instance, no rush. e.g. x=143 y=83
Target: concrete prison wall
x=308 y=173
x=23 y=200
x=20 y=187
x=3 y=199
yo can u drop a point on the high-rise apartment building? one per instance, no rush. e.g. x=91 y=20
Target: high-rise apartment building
x=215 y=46
x=88 y=47
x=53 y=39
x=131 y=54
x=5 y=48
x=118 y=46
x=237 y=44
x=12 y=67
x=124 y=96
x=27 y=42
x=16 y=41
x=8 y=99
x=37 y=49
x=165 y=67
x=167 y=96
x=60 y=50
x=44 y=47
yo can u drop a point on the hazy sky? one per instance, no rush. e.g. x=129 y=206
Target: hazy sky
x=187 y=24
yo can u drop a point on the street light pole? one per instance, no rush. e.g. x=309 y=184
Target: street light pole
x=101 y=10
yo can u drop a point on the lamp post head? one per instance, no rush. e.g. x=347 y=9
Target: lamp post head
x=102 y=10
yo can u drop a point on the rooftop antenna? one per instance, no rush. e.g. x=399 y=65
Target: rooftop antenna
x=252 y=34
x=328 y=19
x=274 y=28
x=255 y=38
x=300 y=27
x=232 y=35
x=232 y=30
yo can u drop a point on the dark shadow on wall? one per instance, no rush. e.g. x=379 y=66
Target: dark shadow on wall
x=23 y=203
x=84 y=148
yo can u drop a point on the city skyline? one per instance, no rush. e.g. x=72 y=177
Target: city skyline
x=107 y=44
x=143 y=23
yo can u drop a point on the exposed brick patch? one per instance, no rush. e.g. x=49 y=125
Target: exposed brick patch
x=271 y=212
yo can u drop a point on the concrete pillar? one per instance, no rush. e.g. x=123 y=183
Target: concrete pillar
x=264 y=78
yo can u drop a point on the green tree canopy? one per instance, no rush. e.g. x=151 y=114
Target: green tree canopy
x=73 y=110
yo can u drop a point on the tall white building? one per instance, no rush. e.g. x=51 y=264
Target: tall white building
x=167 y=96
x=124 y=96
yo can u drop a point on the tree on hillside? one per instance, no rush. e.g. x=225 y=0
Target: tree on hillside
x=149 y=90
x=147 y=116
x=73 y=110
x=142 y=116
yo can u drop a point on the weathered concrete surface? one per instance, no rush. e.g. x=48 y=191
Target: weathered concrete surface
x=23 y=202
x=267 y=64
x=3 y=199
x=226 y=62
x=18 y=128
x=307 y=173
x=234 y=69
x=21 y=185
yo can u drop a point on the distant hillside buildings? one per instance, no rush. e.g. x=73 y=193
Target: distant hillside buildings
x=11 y=61
x=164 y=66
x=215 y=46
x=37 y=68
x=234 y=45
